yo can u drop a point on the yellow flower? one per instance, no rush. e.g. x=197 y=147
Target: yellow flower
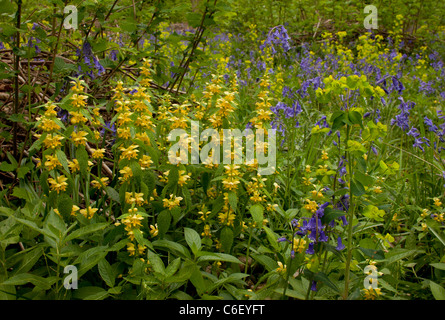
x=48 y=125
x=437 y=202
x=230 y=183
x=137 y=199
x=129 y=153
x=371 y=293
x=88 y=212
x=154 y=230
x=311 y=206
x=131 y=249
x=74 y=210
x=378 y=190
x=324 y=155
x=316 y=194
x=53 y=142
x=58 y=184
x=206 y=232
x=299 y=245
x=145 y=162
x=77 y=117
x=124 y=118
x=172 y=202
x=134 y=219
x=74 y=165
x=183 y=177
x=79 y=138
x=281 y=268
x=126 y=173
x=77 y=86
x=78 y=100
x=52 y=162
x=226 y=218
x=98 y=184
x=98 y=153
x=141 y=249
x=124 y=133
x=308 y=168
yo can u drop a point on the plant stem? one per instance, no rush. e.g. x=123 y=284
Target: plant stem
x=350 y=219
x=16 y=76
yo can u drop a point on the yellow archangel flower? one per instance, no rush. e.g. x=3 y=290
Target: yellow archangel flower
x=58 y=184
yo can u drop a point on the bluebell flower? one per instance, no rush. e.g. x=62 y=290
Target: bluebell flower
x=340 y=245
x=310 y=249
x=431 y=126
x=314 y=286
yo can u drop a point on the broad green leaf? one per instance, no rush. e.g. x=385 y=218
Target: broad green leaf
x=164 y=221
x=28 y=260
x=272 y=237
x=90 y=293
x=257 y=212
x=193 y=239
x=210 y=256
x=65 y=205
x=24 y=278
x=233 y=200
x=172 y=267
x=437 y=290
x=107 y=272
x=172 y=247
x=439 y=265
x=83 y=231
x=226 y=238
x=156 y=262
x=372 y=212
x=357 y=188
x=82 y=158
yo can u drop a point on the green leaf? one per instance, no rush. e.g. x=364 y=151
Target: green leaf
x=90 y=293
x=233 y=200
x=184 y=273
x=226 y=238
x=257 y=212
x=24 y=278
x=172 y=247
x=164 y=221
x=372 y=212
x=320 y=276
x=266 y=261
x=156 y=262
x=83 y=231
x=172 y=267
x=61 y=156
x=439 y=265
x=357 y=188
x=272 y=237
x=82 y=158
x=7 y=167
x=437 y=290
x=193 y=239
x=331 y=214
x=107 y=273
x=64 y=205
x=113 y=194
x=355 y=118
x=432 y=227
x=29 y=260
x=34 y=227
x=373 y=253
x=210 y=256
x=89 y=258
